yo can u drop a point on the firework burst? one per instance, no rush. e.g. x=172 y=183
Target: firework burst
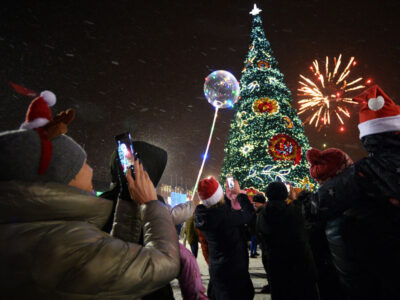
x=330 y=94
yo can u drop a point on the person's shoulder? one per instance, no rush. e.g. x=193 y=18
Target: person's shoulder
x=76 y=232
x=65 y=242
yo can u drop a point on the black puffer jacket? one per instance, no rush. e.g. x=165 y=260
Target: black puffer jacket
x=373 y=181
x=281 y=228
x=361 y=206
x=228 y=255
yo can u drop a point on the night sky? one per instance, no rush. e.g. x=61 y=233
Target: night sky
x=140 y=65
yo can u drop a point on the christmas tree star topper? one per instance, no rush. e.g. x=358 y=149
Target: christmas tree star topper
x=255 y=10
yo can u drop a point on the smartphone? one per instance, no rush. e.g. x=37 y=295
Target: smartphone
x=231 y=182
x=126 y=153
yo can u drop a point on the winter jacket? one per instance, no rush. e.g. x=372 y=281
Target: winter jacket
x=228 y=256
x=190 y=278
x=292 y=273
x=204 y=245
x=373 y=181
x=362 y=207
x=190 y=231
x=127 y=224
x=127 y=219
x=52 y=247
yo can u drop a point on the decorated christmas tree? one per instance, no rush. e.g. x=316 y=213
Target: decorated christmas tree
x=266 y=140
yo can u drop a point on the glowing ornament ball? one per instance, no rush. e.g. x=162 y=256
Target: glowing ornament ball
x=221 y=89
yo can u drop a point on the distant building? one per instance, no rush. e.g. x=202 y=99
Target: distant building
x=166 y=190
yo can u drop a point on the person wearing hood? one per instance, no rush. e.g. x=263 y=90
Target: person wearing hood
x=128 y=223
x=223 y=228
x=51 y=242
x=281 y=228
x=368 y=194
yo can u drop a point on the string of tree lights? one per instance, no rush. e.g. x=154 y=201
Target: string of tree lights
x=266 y=139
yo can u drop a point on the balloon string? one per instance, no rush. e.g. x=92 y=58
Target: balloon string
x=206 y=153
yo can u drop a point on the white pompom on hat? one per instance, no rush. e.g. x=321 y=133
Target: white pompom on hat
x=39 y=113
x=210 y=191
x=378 y=112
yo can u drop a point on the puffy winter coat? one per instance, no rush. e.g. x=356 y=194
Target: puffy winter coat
x=373 y=181
x=52 y=247
x=127 y=224
x=291 y=267
x=228 y=255
x=362 y=206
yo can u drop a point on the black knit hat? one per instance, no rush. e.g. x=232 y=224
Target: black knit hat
x=259 y=198
x=276 y=191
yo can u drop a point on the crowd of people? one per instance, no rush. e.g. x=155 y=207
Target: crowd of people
x=59 y=241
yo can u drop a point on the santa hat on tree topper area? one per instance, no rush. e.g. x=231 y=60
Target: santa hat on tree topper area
x=210 y=191
x=39 y=114
x=379 y=113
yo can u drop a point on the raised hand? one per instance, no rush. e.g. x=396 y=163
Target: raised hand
x=141 y=188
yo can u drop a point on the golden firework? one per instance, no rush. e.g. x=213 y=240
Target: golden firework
x=330 y=93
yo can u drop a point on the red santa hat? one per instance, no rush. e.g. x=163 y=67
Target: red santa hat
x=210 y=191
x=379 y=113
x=324 y=165
x=39 y=113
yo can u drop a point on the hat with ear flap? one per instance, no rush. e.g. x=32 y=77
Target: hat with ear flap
x=378 y=112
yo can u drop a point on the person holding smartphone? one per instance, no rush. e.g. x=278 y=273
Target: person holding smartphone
x=227 y=247
x=51 y=242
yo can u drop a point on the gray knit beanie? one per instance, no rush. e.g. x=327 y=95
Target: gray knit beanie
x=20 y=154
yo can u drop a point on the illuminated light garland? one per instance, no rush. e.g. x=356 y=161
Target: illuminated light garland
x=246 y=149
x=266 y=106
x=289 y=122
x=307 y=184
x=254 y=125
x=284 y=147
x=253 y=85
x=263 y=64
x=251 y=192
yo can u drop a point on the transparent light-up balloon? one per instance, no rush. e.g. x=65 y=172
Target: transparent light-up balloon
x=221 y=89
